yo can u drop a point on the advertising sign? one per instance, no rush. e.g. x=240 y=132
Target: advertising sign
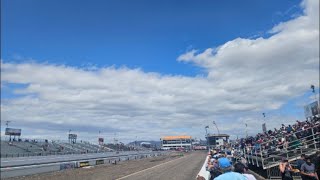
x=84 y=164
x=100 y=161
x=72 y=136
x=13 y=132
x=66 y=166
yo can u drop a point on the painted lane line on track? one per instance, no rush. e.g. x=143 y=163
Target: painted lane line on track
x=149 y=168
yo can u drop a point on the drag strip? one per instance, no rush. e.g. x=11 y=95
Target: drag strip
x=122 y=169
x=184 y=168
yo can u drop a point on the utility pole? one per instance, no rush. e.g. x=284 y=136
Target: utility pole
x=207 y=136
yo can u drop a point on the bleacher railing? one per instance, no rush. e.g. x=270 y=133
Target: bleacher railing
x=268 y=155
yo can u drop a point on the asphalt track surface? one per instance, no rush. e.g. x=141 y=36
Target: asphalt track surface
x=173 y=166
x=185 y=168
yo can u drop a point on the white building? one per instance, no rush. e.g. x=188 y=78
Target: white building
x=217 y=140
x=176 y=142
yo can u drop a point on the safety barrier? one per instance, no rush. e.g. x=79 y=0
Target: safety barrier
x=7 y=172
x=203 y=171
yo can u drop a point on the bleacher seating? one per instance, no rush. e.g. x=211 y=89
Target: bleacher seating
x=27 y=147
x=10 y=149
x=267 y=149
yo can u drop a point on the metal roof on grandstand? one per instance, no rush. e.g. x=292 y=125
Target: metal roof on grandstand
x=175 y=137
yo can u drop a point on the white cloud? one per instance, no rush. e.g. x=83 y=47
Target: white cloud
x=245 y=77
x=282 y=65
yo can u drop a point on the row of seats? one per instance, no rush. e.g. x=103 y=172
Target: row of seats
x=33 y=148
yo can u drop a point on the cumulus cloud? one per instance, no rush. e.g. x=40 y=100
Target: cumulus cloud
x=244 y=77
x=272 y=69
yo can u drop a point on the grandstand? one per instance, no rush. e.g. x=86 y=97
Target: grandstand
x=27 y=147
x=266 y=150
x=176 y=142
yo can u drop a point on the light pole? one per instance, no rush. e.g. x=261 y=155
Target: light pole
x=69 y=136
x=246 y=130
x=99 y=142
x=207 y=136
x=315 y=97
x=7 y=123
x=264 y=128
x=214 y=123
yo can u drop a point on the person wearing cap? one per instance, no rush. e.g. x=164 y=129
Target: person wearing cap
x=225 y=167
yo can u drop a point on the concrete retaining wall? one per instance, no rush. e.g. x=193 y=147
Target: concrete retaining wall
x=203 y=171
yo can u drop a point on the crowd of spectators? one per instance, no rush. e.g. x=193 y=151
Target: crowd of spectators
x=289 y=138
x=221 y=166
x=285 y=138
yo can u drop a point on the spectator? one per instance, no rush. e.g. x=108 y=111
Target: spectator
x=285 y=170
x=242 y=169
x=301 y=161
x=213 y=168
x=316 y=162
x=308 y=170
x=225 y=167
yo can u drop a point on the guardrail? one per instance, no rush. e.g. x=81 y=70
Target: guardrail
x=203 y=171
x=45 y=154
x=57 y=166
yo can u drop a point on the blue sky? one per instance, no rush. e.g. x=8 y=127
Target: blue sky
x=195 y=61
x=144 y=34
